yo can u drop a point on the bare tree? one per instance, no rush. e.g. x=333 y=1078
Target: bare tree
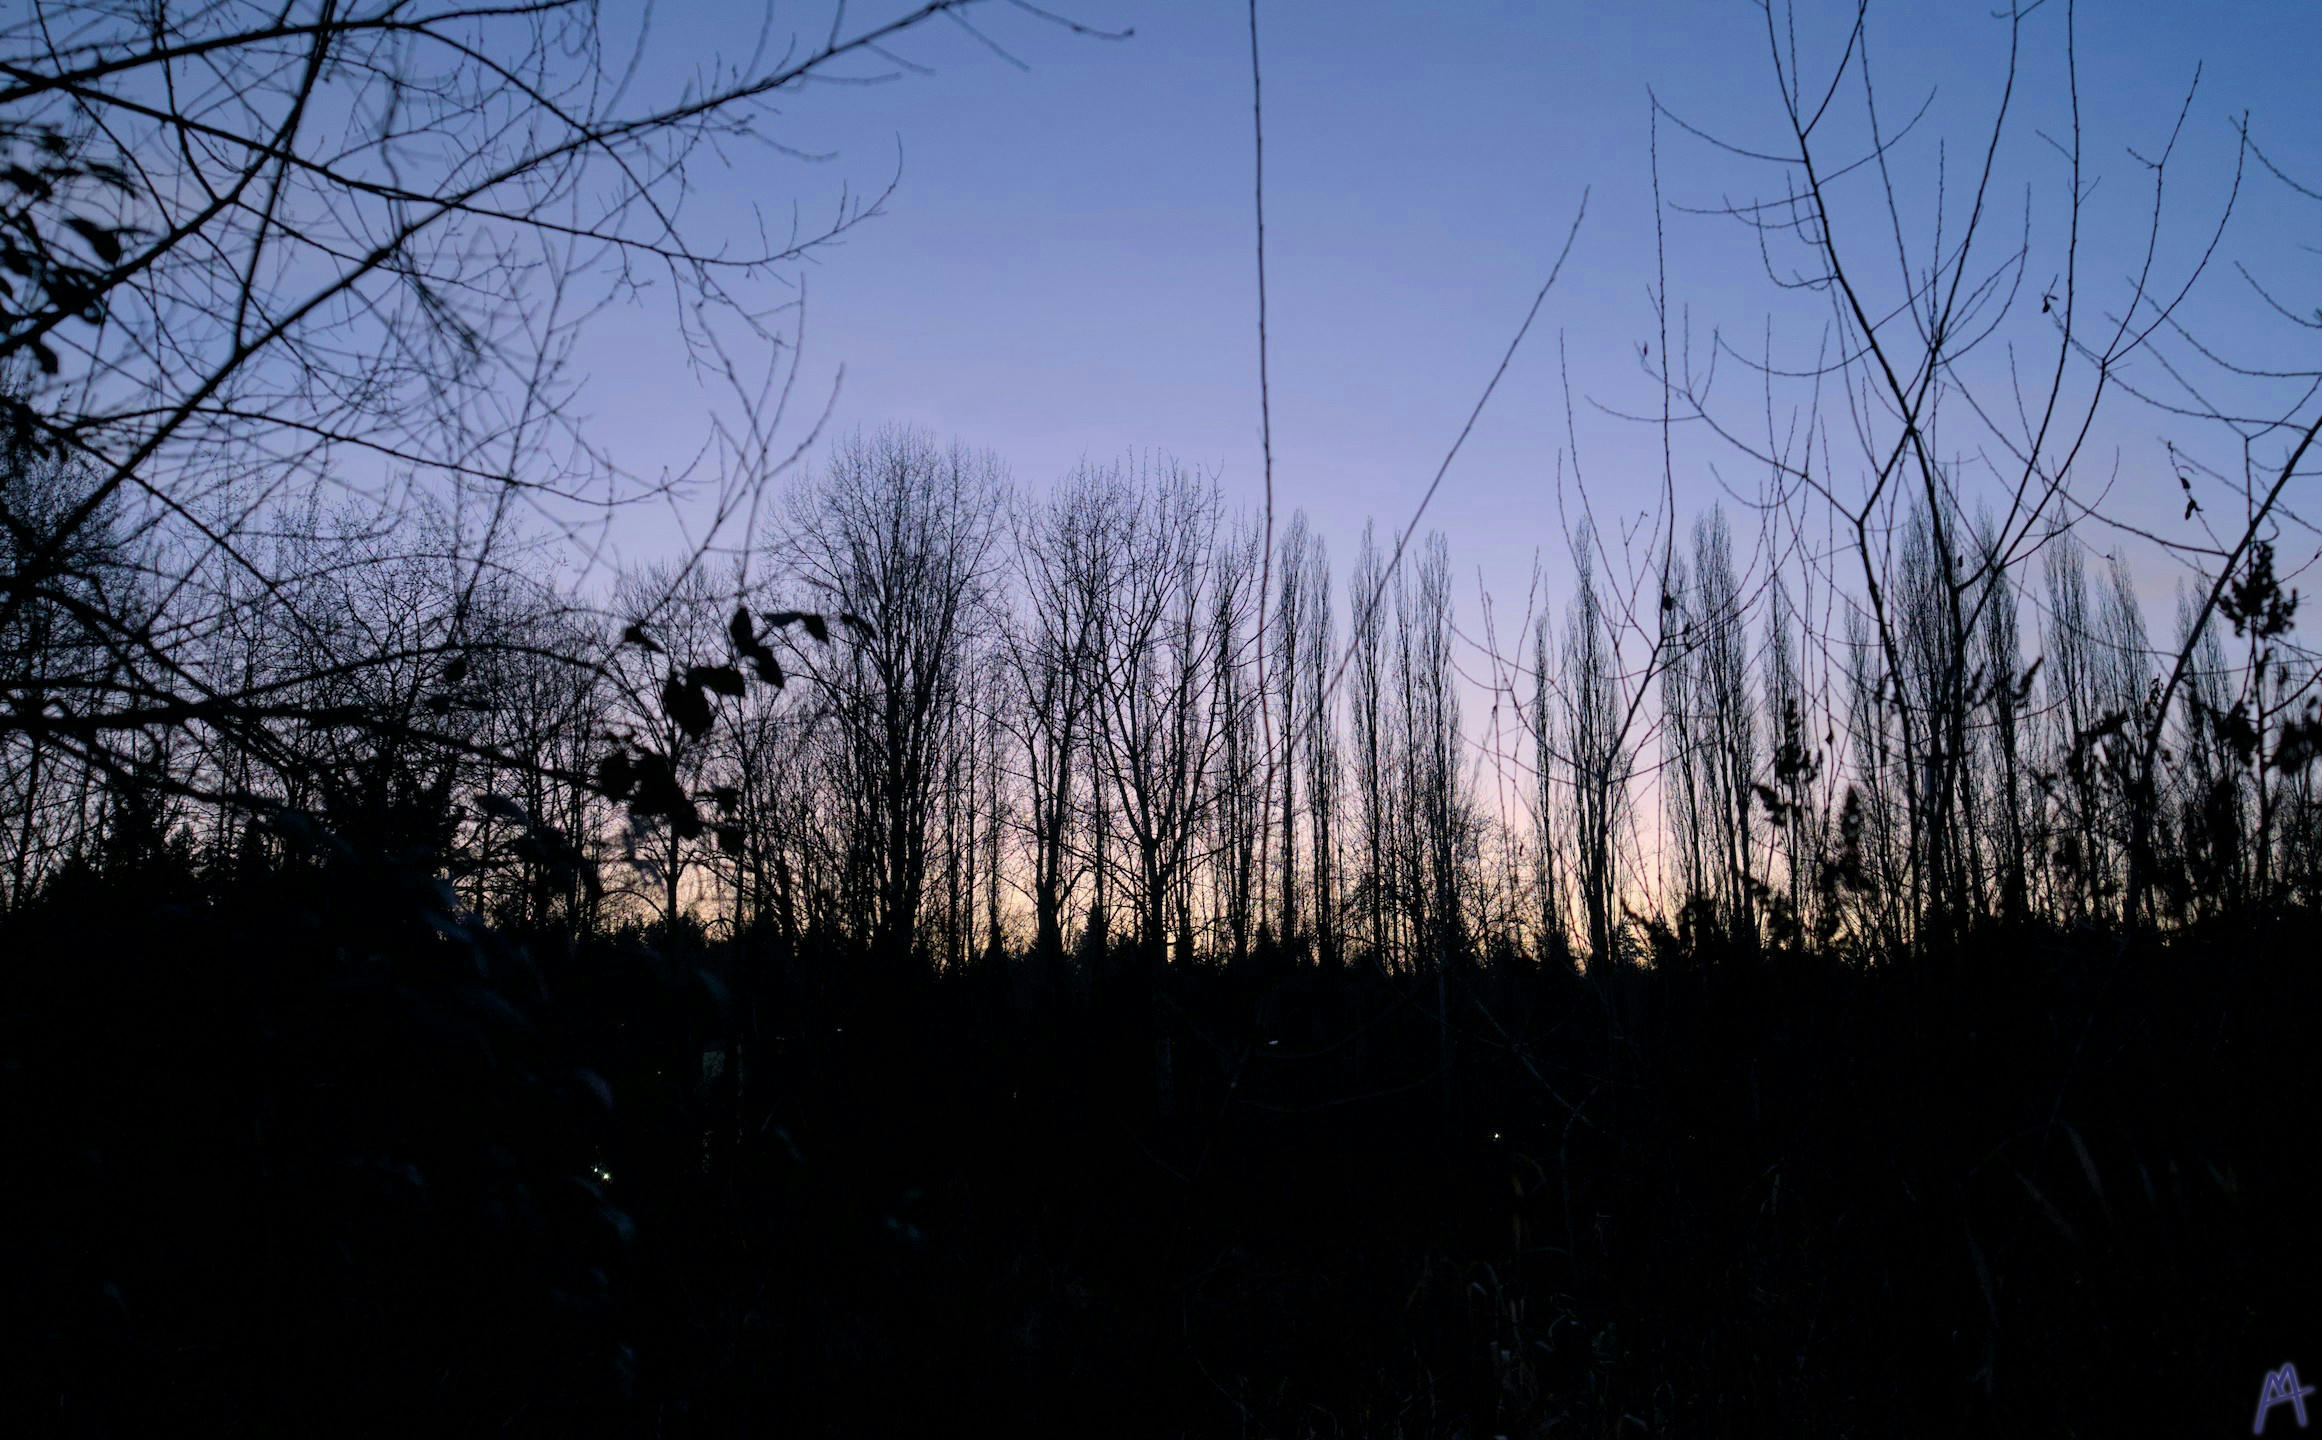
x=1709 y=725
x=1595 y=734
x=1905 y=312
x=1062 y=558
x=1239 y=823
x=274 y=263
x=1290 y=628
x=898 y=539
x=1160 y=726
x=1321 y=756
x=1374 y=750
x=1439 y=815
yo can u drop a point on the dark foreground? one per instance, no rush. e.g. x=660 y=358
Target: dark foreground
x=301 y=1164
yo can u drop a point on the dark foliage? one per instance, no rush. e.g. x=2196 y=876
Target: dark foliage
x=310 y=1152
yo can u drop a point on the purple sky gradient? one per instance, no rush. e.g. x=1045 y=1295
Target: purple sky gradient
x=1066 y=268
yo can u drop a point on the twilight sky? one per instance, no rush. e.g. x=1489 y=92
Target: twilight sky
x=1066 y=268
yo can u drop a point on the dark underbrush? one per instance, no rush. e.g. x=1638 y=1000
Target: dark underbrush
x=301 y=1161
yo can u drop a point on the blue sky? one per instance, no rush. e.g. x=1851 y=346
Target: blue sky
x=1066 y=267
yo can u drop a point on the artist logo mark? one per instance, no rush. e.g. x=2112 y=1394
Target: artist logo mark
x=2282 y=1388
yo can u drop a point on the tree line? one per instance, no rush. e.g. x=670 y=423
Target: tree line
x=936 y=718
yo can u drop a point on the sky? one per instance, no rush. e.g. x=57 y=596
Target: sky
x=1067 y=268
